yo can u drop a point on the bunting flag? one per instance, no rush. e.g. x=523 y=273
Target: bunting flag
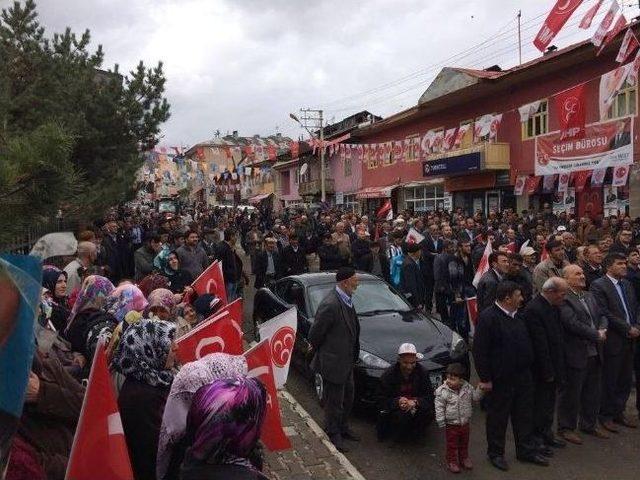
x=600 y=34
x=483 y=266
x=398 y=151
x=462 y=131
x=580 y=179
x=496 y=120
x=280 y=332
x=248 y=151
x=413 y=236
x=563 y=182
x=295 y=149
x=548 y=183
x=99 y=441
x=449 y=138
x=558 y=16
x=219 y=333
x=627 y=47
x=610 y=84
x=620 y=174
x=437 y=143
x=259 y=364
x=211 y=281
x=571 y=109
x=526 y=111
x=427 y=142
x=632 y=76
x=588 y=17
x=518 y=189
x=532 y=184
x=618 y=27
x=272 y=152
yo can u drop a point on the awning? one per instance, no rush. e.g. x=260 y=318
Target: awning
x=433 y=181
x=375 y=192
x=259 y=198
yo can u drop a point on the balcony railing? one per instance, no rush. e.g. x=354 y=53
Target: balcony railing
x=313 y=187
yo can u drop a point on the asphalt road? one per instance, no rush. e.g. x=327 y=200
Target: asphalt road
x=616 y=459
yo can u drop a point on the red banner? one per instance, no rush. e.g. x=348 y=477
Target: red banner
x=580 y=179
x=620 y=25
x=588 y=17
x=472 y=309
x=560 y=13
x=605 y=23
x=571 y=108
x=259 y=364
x=219 y=333
x=627 y=47
x=212 y=281
x=531 y=185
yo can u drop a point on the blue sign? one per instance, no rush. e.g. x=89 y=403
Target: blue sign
x=469 y=162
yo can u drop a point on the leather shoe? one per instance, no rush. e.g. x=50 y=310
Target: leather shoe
x=625 y=421
x=339 y=444
x=555 y=443
x=500 y=463
x=536 y=459
x=598 y=433
x=610 y=426
x=571 y=437
x=453 y=467
x=350 y=435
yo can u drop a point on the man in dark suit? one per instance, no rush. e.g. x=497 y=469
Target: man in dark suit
x=542 y=318
x=376 y=262
x=294 y=259
x=268 y=265
x=592 y=265
x=617 y=301
x=503 y=357
x=430 y=248
x=412 y=281
x=486 y=290
x=621 y=138
x=584 y=332
x=335 y=339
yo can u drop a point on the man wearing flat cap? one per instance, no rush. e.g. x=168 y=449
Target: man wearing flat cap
x=335 y=339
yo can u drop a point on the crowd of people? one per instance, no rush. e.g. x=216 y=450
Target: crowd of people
x=556 y=335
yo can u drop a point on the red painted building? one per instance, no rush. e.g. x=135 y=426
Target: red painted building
x=481 y=172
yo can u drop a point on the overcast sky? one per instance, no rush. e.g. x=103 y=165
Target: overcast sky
x=245 y=64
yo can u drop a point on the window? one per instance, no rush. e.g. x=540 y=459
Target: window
x=538 y=123
x=624 y=103
x=424 y=199
x=350 y=203
x=347 y=166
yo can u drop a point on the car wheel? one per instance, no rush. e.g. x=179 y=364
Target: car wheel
x=318 y=385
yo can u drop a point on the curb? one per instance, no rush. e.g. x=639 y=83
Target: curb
x=344 y=461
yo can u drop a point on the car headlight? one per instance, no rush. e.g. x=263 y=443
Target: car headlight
x=458 y=346
x=369 y=360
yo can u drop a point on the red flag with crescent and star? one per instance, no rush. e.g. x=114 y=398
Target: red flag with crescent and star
x=219 y=333
x=259 y=364
x=281 y=333
x=211 y=281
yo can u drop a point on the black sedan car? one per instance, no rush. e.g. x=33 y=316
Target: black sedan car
x=386 y=321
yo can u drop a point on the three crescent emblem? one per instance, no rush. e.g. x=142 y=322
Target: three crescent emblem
x=282 y=346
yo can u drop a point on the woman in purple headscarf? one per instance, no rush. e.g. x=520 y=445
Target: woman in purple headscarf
x=223 y=427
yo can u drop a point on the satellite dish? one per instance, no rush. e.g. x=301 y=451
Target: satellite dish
x=304 y=168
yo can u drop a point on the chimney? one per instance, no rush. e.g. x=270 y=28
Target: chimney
x=551 y=49
x=235 y=134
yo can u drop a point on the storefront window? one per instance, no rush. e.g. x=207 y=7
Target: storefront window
x=350 y=203
x=424 y=199
x=538 y=123
x=624 y=103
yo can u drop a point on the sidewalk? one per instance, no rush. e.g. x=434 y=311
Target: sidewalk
x=312 y=457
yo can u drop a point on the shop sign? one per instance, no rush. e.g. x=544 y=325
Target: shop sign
x=469 y=162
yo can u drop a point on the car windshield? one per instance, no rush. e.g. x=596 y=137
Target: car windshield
x=370 y=296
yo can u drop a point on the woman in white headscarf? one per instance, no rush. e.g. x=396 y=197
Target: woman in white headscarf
x=192 y=376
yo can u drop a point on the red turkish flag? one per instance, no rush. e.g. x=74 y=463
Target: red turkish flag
x=295 y=149
x=472 y=310
x=483 y=266
x=99 y=448
x=580 y=179
x=531 y=185
x=571 y=108
x=384 y=210
x=620 y=25
x=259 y=364
x=211 y=281
x=588 y=17
x=219 y=333
x=558 y=16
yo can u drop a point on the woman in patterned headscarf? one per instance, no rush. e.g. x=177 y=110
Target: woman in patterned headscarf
x=146 y=357
x=188 y=380
x=162 y=304
x=124 y=299
x=224 y=424
x=55 y=304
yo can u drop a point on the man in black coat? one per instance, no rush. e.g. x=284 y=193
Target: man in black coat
x=616 y=299
x=294 y=259
x=503 y=357
x=330 y=258
x=231 y=269
x=376 y=262
x=412 y=281
x=430 y=248
x=592 y=265
x=360 y=248
x=486 y=290
x=335 y=339
x=542 y=318
x=268 y=265
x=405 y=397
x=584 y=328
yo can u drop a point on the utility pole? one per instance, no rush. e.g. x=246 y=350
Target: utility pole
x=311 y=119
x=519 y=37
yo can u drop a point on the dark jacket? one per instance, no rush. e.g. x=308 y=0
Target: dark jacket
x=580 y=329
x=294 y=263
x=179 y=280
x=230 y=269
x=442 y=280
x=633 y=276
x=412 y=282
x=591 y=274
x=367 y=265
x=359 y=249
x=141 y=407
x=502 y=348
x=618 y=247
x=143 y=260
x=610 y=304
x=487 y=289
x=330 y=258
x=261 y=264
x=429 y=252
x=111 y=257
x=526 y=285
x=335 y=337
x=545 y=330
x=391 y=382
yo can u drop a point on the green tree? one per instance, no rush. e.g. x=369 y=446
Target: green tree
x=56 y=87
